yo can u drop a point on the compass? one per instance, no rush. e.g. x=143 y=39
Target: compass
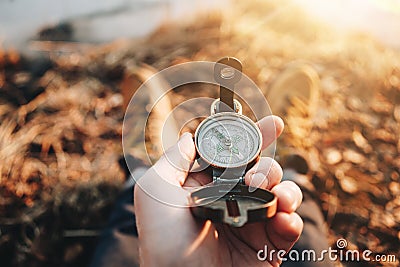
x=229 y=143
x=228 y=140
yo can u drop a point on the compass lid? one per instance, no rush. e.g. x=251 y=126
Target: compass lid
x=235 y=206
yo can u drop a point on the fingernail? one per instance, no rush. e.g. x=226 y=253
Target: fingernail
x=186 y=146
x=295 y=191
x=183 y=135
x=258 y=180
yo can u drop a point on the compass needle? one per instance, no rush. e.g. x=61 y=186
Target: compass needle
x=235 y=150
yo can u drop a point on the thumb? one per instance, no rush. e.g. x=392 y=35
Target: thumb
x=163 y=182
x=175 y=164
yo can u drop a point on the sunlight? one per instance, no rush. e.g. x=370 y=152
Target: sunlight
x=200 y=238
x=392 y=6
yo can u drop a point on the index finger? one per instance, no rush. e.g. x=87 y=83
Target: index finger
x=271 y=128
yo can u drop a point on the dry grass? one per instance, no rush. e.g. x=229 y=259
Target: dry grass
x=67 y=135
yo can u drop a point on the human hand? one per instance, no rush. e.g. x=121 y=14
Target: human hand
x=171 y=236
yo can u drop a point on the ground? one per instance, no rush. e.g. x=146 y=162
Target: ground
x=61 y=127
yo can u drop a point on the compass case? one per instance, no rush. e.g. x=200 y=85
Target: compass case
x=235 y=205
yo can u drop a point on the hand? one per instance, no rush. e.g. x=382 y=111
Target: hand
x=171 y=236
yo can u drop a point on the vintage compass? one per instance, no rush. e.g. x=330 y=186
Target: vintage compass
x=230 y=143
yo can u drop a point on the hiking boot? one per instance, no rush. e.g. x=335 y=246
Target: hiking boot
x=298 y=87
x=294 y=96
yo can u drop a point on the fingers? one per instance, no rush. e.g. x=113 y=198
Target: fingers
x=265 y=174
x=284 y=229
x=163 y=182
x=271 y=128
x=289 y=196
x=174 y=165
x=197 y=179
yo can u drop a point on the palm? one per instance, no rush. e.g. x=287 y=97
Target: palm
x=170 y=236
x=234 y=246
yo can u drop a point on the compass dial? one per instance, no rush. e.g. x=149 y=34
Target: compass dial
x=228 y=140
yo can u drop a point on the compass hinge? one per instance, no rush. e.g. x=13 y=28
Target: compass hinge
x=221 y=180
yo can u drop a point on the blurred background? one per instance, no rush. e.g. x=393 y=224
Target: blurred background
x=68 y=70
x=94 y=21
x=104 y=21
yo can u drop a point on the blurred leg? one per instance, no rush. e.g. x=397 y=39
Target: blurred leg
x=118 y=245
x=313 y=237
x=315 y=233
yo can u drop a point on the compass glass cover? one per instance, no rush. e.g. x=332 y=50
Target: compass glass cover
x=228 y=140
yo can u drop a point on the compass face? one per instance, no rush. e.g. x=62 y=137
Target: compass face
x=228 y=140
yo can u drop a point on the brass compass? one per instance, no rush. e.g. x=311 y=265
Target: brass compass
x=230 y=143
